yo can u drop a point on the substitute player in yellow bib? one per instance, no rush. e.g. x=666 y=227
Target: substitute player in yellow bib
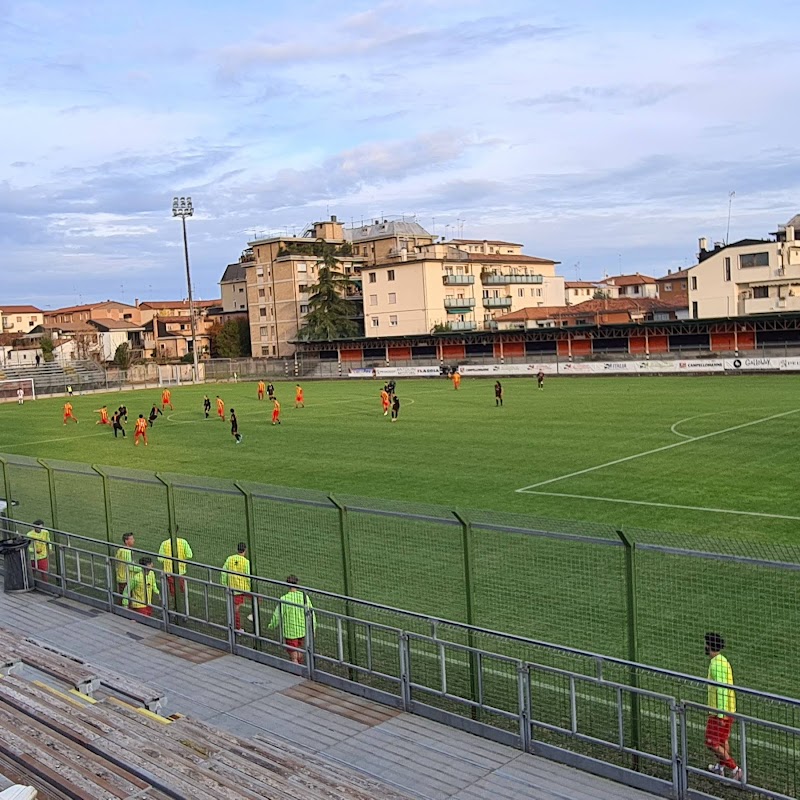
x=236 y=577
x=723 y=699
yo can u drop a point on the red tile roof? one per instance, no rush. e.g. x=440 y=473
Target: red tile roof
x=484 y=241
x=629 y=280
x=673 y=276
x=182 y=304
x=579 y=285
x=606 y=306
x=87 y=307
x=509 y=258
x=21 y=310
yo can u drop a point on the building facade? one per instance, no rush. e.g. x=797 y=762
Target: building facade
x=634 y=286
x=20 y=319
x=579 y=292
x=233 y=285
x=748 y=277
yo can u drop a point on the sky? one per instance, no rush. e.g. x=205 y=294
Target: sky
x=607 y=136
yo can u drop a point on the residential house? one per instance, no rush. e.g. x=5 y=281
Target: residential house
x=579 y=292
x=20 y=319
x=634 y=286
x=747 y=277
x=108 y=309
x=233 y=284
x=674 y=286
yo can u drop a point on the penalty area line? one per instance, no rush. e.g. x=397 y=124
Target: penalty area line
x=661 y=505
x=658 y=450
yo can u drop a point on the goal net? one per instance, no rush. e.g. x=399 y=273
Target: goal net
x=9 y=390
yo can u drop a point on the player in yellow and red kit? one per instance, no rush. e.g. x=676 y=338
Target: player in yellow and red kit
x=166 y=400
x=103 y=412
x=68 y=412
x=385 y=401
x=261 y=389
x=276 y=411
x=140 y=431
x=220 y=408
x=298 y=397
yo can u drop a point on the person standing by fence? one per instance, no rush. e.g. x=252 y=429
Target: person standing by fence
x=718 y=726
x=123 y=560
x=236 y=576
x=138 y=594
x=290 y=614
x=184 y=554
x=39 y=548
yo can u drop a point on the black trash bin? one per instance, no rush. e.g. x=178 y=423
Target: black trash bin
x=17 y=573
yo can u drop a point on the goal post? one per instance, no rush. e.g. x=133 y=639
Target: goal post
x=9 y=390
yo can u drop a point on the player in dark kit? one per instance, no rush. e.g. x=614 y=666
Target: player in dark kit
x=270 y=391
x=154 y=412
x=235 y=427
x=395 y=408
x=540 y=380
x=116 y=423
x=206 y=406
x=124 y=411
x=498 y=393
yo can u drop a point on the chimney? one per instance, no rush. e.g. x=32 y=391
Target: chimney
x=669 y=272
x=703 y=243
x=136 y=302
x=333 y=218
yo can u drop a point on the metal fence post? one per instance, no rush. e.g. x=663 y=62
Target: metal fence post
x=106 y=503
x=347 y=583
x=631 y=605
x=51 y=485
x=249 y=521
x=173 y=537
x=7 y=491
x=469 y=563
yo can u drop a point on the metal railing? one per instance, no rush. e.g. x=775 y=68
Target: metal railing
x=459 y=302
x=626 y=721
x=457 y=280
x=499 y=279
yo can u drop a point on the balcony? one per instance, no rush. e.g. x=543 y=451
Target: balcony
x=497 y=302
x=491 y=279
x=457 y=280
x=463 y=326
x=458 y=305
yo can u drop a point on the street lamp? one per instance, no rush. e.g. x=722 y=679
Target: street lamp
x=182 y=207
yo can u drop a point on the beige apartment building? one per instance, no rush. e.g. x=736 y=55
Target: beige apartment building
x=20 y=319
x=576 y=292
x=413 y=284
x=233 y=284
x=751 y=276
x=632 y=286
x=277 y=282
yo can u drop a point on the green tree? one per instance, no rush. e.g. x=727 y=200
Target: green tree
x=330 y=314
x=122 y=356
x=231 y=339
x=48 y=345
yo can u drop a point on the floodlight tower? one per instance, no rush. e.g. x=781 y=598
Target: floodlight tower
x=182 y=207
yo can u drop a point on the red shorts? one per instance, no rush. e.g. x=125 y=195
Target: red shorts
x=275 y=415
x=145 y=611
x=718 y=731
x=41 y=565
x=295 y=643
x=238 y=599
x=220 y=412
x=171 y=584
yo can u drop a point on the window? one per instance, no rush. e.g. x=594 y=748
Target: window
x=623 y=290
x=260 y=272
x=727 y=269
x=694 y=309
x=538 y=292
x=301 y=266
x=304 y=309
x=274 y=351
x=373 y=299
x=667 y=287
x=242 y=305
x=373 y=277
x=265 y=351
x=694 y=283
x=683 y=285
x=390 y=275
x=392 y=298
x=520 y=293
x=241 y=290
x=303 y=288
x=753 y=260
x=262 y=312
x=374 y=322
x=760 y=291
x=261 y=292
x=263 y=331
x=393 y=321
x=636 y=290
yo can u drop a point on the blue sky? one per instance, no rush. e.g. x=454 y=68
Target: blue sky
x=605 y=134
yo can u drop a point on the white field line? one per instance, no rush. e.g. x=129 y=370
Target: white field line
x=688 y=419
x=658 y=450
x=661 y=505
x=5 y=447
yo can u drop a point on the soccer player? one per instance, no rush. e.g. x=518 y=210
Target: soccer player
x=116 y=423
x=276 y=411
x=235 y=427
x=261 y=389
x=69 y=389
x=298 y=397
x=395 y=408
x=123 y=561
x=236 y=577
x=165 y=557
x=540 y=380
x=154 y=412
x=392 y=386
x=103 y=412
x=40 y=548
x=68 y=413
x=385 y=401
x=456 y=379
x=138 y=594
x=166 y=400
x=220 y=408
x=291 y=615
x=498 y=393
x=206 y=405
x=124 y=410
x=140 y=431
x=270 y=391
x=20 y=396
x=718 y=725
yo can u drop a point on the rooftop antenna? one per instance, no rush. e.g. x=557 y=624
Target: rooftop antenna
x=731 y=195
x=433 y=220
x=577 y=270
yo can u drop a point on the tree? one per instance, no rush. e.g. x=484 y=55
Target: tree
x=48 y=345
x=122 y=356
x=231 y=339
x=330 y=314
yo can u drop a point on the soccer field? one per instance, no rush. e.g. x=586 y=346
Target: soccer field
x=710 y=455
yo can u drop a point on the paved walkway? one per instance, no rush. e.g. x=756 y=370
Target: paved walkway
x=422 y=758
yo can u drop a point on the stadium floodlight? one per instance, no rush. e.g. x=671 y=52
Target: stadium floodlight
x=182 y=207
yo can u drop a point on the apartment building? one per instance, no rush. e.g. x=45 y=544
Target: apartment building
x=674 y=286
x=576 y=292
x=415 y=284
x=106 y=310
x=748 y=277
x=20 y=319
x=233 y=284
x=634 y=286
x=278 y=278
